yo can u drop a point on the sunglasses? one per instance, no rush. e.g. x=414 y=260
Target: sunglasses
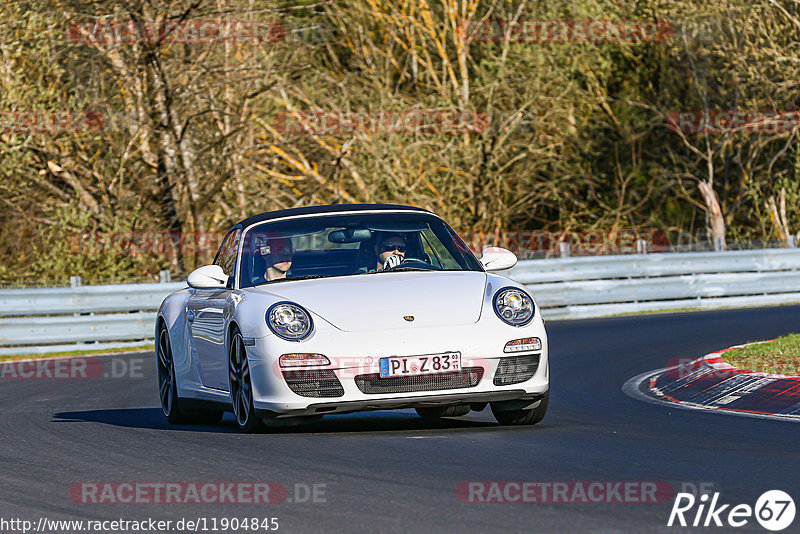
x=398 y=248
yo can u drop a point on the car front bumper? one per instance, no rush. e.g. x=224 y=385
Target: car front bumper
x=355 y=354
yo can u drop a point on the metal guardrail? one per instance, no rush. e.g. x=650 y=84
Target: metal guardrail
x=52 y=319
x=651 y=265
x=84 y=299
x=80 y=317
x=577 y=288
x=80 y=328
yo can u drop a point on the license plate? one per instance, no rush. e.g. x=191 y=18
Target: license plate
x=420 y=365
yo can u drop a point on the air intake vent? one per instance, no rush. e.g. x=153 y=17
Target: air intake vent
x=516 y=369
x=374 y=384
x=314 y=383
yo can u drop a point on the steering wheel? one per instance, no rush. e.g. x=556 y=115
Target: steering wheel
x=413 y=263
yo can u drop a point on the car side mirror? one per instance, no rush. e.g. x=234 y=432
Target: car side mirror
x=497 y=259
x=208 y=277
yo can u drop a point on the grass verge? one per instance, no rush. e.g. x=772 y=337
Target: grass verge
x=781 y=356
x=121 y=350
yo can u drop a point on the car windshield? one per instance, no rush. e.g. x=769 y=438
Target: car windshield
x=352 y=244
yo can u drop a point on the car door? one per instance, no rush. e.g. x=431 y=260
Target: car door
x=206 y=315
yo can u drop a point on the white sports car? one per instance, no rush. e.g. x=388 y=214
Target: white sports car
x=336 y=309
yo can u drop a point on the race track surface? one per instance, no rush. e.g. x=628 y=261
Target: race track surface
x=389 y=471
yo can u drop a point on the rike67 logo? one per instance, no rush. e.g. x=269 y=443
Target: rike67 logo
x=774 y=510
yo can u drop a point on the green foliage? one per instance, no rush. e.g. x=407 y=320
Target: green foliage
x=779 y=356
x=191 y=138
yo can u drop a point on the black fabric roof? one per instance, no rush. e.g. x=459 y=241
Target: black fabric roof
x=331 y=208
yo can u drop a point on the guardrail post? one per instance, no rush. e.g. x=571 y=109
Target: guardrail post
x=564 y=248
x=74 y=281
x=793 y=241
x=164 y=277
x=719 y=244
x=641 y=246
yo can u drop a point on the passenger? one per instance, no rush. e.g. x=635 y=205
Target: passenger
x=278 y=254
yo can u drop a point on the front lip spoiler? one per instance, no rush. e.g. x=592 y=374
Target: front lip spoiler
x=403 y=402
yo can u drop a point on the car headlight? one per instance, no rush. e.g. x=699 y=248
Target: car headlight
x=289 y=321
x=514 y=306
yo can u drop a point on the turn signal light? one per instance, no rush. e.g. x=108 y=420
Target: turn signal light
x=523 y=345
x=303 y=360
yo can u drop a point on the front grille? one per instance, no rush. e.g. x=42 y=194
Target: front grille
x=374 y=384
x=516 y=369
x=314 y=383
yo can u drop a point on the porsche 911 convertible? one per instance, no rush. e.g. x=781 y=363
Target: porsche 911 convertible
x=336 y=309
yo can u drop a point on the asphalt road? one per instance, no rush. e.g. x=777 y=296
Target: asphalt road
x=388 y=471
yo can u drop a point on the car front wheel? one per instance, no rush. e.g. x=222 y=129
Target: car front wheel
x=241 y=387
x=529 y=416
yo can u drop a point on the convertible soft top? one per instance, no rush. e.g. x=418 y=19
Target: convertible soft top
x=330 y=208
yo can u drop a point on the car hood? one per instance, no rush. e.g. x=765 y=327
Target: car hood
x=382 y=300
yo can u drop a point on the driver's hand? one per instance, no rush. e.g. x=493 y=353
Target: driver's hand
x=392 y=261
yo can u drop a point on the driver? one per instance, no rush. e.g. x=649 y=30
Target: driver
x=278 y=254
x=391 y=251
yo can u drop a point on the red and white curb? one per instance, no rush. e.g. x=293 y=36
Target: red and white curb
x=710 y=383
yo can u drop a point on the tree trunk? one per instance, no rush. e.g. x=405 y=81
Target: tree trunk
x=715 y=220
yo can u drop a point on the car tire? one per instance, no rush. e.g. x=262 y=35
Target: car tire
x=437 y=412
x=171 y=404
x=530 y=416
x=167 y=383
x=241 y=387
